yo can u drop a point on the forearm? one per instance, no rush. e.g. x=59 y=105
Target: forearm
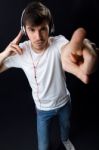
x=3 y=56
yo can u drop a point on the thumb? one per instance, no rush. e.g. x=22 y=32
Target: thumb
x=17 y=39
x=76 y=41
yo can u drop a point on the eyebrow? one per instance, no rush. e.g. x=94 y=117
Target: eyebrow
x=29 y=26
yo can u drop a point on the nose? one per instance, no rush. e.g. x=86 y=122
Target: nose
x=38 y=35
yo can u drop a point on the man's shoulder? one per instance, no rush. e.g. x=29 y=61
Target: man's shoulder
x=58 y=40
x=58 y=37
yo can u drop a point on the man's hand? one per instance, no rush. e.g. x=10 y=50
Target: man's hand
x=78 y=57
x=13 y=48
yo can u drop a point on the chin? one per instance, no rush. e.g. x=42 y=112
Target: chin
x=40 y=47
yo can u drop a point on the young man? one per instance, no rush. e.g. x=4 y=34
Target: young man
x=44 y=60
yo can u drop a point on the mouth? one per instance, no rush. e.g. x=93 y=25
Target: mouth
x=39 y=43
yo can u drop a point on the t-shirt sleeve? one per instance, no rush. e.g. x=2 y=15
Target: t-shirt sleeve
x=61 y=41
x=14 y=60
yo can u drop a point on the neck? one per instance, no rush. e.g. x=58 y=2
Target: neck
x=40 y=50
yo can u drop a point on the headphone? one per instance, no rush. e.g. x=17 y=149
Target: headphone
x=52 y=27
x=22 y=26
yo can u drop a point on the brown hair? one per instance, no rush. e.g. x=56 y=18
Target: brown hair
x=35 y=13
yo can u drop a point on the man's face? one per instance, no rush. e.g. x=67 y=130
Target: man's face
x=38 y=35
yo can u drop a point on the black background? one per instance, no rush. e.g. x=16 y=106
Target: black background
x=16 y=104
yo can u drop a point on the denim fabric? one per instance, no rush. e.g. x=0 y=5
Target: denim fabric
x=44 y=123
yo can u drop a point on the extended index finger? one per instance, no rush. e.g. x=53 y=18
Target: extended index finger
x=17 y=39
x=77 y=39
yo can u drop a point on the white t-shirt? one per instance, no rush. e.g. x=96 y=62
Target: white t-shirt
x=49 y=87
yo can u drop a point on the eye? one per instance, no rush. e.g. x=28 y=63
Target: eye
x=43 y=29
x=31 y=29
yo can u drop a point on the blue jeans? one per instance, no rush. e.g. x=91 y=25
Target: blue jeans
x=44 y=122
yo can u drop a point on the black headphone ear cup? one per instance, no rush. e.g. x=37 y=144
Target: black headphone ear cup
x=23 y=30
x=52 y=29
